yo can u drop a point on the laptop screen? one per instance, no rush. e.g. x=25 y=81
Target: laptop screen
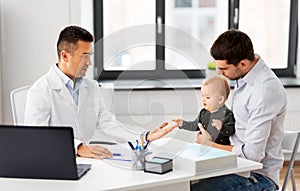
x=37 y=152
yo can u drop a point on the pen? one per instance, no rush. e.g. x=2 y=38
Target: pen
x=142 y=140
x=131 y=145
x=146 y=145
x=137 y=144
x=138 y=148
x=102 y=142
x=116 y=154
x=128 y=160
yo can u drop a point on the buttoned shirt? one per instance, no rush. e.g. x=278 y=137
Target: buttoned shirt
x=72 y=86
x=259 y=107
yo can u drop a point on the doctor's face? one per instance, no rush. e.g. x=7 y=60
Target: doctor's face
x=80 y=59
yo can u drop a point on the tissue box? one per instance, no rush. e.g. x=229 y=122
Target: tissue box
x=159 y=165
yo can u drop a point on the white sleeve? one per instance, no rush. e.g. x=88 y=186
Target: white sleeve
x=37 y=110
x=108 y=125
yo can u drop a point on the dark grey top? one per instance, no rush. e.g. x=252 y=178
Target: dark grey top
x=205 y=118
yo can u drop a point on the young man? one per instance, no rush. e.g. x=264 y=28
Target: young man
x=63 y=97
x=259 y=107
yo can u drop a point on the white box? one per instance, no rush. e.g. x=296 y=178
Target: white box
x=199 y=159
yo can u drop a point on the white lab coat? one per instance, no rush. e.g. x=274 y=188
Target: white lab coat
x=49 y=103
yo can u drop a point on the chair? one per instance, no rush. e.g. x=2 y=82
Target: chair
x=290 y=143
x=18 y=103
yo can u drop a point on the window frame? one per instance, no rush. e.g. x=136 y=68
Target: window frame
x=291 y=69
x=160 y=72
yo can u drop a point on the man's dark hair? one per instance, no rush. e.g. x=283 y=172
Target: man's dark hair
x=69 y=37
x=232 y=46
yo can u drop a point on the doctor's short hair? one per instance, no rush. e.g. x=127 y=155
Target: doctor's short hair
x=69 y=37
x=219 y=85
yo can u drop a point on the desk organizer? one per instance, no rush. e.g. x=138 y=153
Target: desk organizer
x=159 y=165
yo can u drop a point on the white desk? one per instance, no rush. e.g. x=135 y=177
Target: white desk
x=104 y=176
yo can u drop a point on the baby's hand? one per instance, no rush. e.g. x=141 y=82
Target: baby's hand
x=178 y=122
x=217 y=123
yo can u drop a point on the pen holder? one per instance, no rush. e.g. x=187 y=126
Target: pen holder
x=138 y=158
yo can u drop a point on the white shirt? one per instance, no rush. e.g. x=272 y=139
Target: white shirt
x=259 y=107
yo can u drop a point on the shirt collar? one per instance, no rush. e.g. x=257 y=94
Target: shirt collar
x=250 y=77
x=66 y=80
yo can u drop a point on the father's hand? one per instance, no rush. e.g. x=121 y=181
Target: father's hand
x=203 y=137
x=93 y=151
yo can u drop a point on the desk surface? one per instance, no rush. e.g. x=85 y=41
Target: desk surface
x=104 y=176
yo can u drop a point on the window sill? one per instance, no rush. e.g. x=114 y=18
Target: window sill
x=167 y=84
x=160 y=84
x=290 y=82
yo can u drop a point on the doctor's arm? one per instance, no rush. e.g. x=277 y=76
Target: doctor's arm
x=38 y=112
x=121 y=132
x=160 y=131
x=37 y=109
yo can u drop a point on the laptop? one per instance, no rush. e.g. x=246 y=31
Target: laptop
x=39 y=152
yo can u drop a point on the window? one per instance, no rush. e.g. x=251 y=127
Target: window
x=273 y=29
x=147 y=39
x=201 y=22
x=120 y=17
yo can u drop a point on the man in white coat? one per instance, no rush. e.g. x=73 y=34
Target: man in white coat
x=62 y=97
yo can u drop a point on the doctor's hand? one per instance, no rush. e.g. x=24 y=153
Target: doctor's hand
x=93 y=151
x=160 y=131
x=203 y=137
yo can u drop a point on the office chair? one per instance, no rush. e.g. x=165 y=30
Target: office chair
x=18 y=103
x=290 y=143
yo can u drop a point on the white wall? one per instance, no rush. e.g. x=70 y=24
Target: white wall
x=29 y=31
x=150 y=108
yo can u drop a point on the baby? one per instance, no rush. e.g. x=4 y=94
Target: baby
x=215 y=117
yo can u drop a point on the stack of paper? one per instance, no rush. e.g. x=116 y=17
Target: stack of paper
x=200 y=159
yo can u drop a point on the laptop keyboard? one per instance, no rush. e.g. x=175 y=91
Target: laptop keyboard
x=79 y=170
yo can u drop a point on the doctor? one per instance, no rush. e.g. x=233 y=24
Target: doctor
x=63 y=97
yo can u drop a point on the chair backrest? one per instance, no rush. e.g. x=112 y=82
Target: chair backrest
x=18 y=103
x=290 y=142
